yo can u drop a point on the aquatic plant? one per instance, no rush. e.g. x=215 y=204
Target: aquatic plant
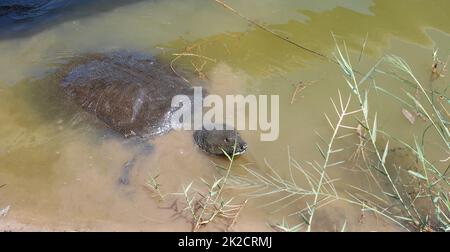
x=426 y=208
x=207 y=206
x=432 y=183
x=155 y=186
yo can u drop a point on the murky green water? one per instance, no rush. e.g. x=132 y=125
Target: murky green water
x=61 y=174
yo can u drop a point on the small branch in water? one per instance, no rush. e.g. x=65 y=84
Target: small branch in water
x=194 y=55
x=441 y=99
x=187 y=53
x=237 y=214
x=173 y=69
x=226 y=6
x=299 y=87
x=435 y=72
x=286 y=39
x=199 y=69
x=411 y=118
x=153 y=184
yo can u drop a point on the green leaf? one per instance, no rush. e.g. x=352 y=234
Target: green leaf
x=404 y=218
x=420 y=154
x=217 y=183
x=386 y=150
x=416 y=174
x=226 y=154
x=374 y=130
x=350 y=85
x=321 y=151
x=304 y=219
x=188 y=187
x=365 y=106
x=391 y=195
x=344 y=226
x=369 y=74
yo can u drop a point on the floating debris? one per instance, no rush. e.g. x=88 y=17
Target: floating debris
x=4 y=211
x=411 y=118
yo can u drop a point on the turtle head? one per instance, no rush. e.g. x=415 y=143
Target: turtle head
x=218 y=140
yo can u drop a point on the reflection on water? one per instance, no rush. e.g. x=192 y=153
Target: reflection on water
x=61 y=166
x=258 y=52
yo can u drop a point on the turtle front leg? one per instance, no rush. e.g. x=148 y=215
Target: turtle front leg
x=124 y=179
x=143 y=149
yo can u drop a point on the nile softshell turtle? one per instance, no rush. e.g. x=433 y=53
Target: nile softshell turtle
x=132 y=94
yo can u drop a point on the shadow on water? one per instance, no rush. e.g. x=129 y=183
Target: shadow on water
x=20 y=18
